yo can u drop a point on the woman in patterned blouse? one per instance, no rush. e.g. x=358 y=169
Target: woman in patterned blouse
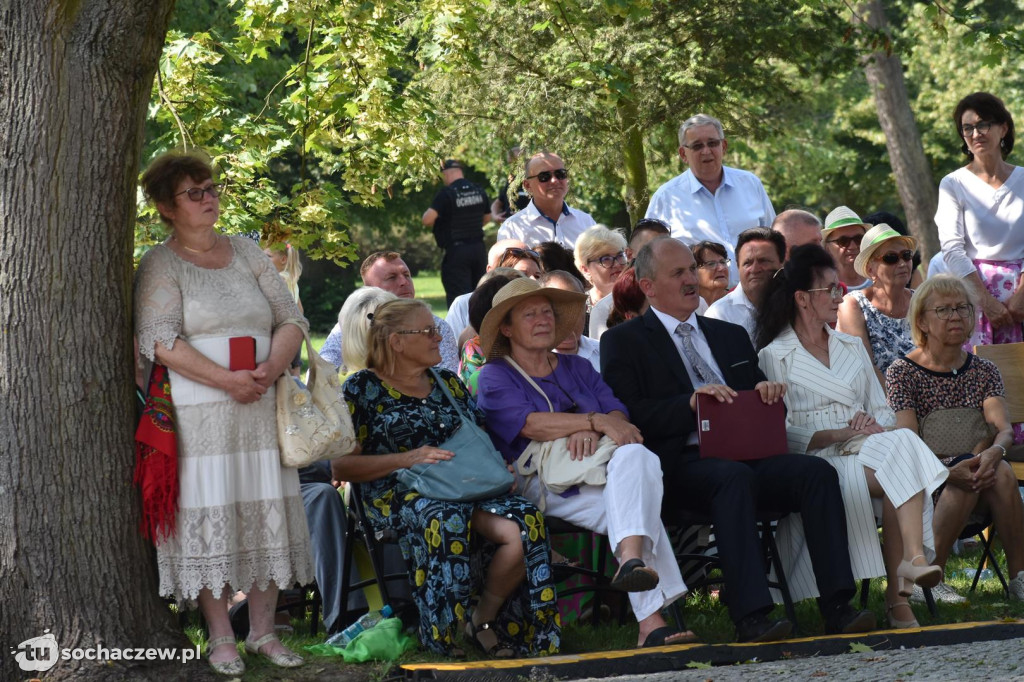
x=938 y=375
x=495 y=549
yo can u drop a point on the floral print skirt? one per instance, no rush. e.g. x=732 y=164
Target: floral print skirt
x=1000 y=278
x=448 y=563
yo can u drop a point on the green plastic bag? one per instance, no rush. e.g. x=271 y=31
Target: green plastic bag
x=383 y=642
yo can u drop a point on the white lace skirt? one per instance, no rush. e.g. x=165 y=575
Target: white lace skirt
x=240 y=520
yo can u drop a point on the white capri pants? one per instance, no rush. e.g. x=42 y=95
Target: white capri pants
x=628 y=504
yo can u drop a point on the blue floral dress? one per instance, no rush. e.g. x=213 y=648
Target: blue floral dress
x=889 y=336
x=447 y=563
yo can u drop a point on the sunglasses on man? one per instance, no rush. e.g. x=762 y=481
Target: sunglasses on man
x=545 y=176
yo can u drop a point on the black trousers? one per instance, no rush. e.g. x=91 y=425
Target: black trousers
x=462 y=267
x=731 y=492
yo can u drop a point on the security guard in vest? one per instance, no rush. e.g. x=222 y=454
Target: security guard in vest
x=458 y=215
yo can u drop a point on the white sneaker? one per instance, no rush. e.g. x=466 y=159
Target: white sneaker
x=1016 y=587
x=945 y=594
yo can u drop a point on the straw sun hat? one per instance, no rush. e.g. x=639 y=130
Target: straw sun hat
x=568 y=307
x=874 y=239
x=842 y=216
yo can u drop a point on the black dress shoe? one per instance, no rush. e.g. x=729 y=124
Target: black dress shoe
x=757 y=628
x=848 y=620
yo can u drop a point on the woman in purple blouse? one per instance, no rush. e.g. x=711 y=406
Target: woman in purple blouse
x=530 y=394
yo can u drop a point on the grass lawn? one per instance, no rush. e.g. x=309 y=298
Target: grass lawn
x=704 y=614
x=429 y=289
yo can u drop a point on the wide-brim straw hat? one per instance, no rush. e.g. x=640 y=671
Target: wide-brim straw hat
x=842 y=216
x=874 y=239
x=569 y=307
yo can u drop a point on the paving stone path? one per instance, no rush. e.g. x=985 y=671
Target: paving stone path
x=988 y=661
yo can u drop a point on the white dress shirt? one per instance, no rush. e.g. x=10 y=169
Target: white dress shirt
x=458 y=314
x=532 y=227
x=696 y=214
x=700 y=344
x=599 y=317
x=937 y=265
x=976 y=221
x=735 y=307
x=590 y=350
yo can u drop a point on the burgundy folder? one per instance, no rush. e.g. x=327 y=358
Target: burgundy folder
x=741 y=430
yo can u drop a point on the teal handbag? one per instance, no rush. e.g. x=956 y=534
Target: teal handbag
x=476 y=472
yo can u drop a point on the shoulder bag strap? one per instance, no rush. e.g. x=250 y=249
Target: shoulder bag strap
x=529 y=379
x=444 y=389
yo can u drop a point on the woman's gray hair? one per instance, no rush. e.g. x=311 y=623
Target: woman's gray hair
x=697 y=121
x=355 y=324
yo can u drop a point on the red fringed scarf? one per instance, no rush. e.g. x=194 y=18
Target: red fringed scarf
x=156 y=459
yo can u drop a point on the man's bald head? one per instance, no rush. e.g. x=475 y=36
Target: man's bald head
x=498 y=250
x=799 y=227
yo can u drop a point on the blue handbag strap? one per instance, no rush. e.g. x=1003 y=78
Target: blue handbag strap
x=447 y=393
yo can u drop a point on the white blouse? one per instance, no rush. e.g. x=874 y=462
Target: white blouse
x=976 y=221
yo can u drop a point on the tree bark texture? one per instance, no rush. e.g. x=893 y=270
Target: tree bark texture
x=910 y=166
x=637 y=194
x=75 y=80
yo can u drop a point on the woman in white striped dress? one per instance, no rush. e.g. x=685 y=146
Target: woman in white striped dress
x=837 y=410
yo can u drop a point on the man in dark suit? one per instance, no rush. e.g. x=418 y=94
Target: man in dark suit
x=657 y=364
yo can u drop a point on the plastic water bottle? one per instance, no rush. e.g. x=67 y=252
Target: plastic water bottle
x=365 y=622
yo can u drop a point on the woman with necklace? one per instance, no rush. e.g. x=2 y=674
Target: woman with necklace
x=529 y=393
x=939 y=375
x=240 y=520
x=837 y=410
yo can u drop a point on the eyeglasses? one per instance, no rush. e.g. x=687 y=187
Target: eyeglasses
x=196 y=193
x=981 y=126
x=712 y=264
x=945 y=312
x=434 y=330
x=835 y=291
x=545 y=176
x=845 y=242
x=892 y=258
x=609 y=261
x=699 y=146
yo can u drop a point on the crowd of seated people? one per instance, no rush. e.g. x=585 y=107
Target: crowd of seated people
x=579 y=341
x=838 y=415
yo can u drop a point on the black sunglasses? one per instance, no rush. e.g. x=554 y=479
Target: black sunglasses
x=545 y=176
x=892 y=258
x=845 y=241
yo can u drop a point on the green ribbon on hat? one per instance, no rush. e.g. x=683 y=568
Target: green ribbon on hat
x=843 y=222
x=883 y=235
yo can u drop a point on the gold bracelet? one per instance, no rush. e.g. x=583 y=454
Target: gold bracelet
x=590 y=419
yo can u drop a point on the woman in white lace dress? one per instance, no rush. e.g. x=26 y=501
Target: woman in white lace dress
x=240 y=523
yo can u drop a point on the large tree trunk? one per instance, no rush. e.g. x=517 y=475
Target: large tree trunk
x=637 y=194
x=918 y=193
x=75 y=80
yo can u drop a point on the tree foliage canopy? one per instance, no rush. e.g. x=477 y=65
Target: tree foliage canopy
x=325 y=116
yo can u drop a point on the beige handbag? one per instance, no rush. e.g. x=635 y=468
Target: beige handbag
x=552 y=462
x=313 y=423
x=955 y=431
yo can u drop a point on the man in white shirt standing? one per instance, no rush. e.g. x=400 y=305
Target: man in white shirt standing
x=760 y=252
x=710 y=201
x=547 y=218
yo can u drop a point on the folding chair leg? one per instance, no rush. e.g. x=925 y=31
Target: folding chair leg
x=929 y=600
x=768 y=536
x=986 y=557
x=865 y=585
